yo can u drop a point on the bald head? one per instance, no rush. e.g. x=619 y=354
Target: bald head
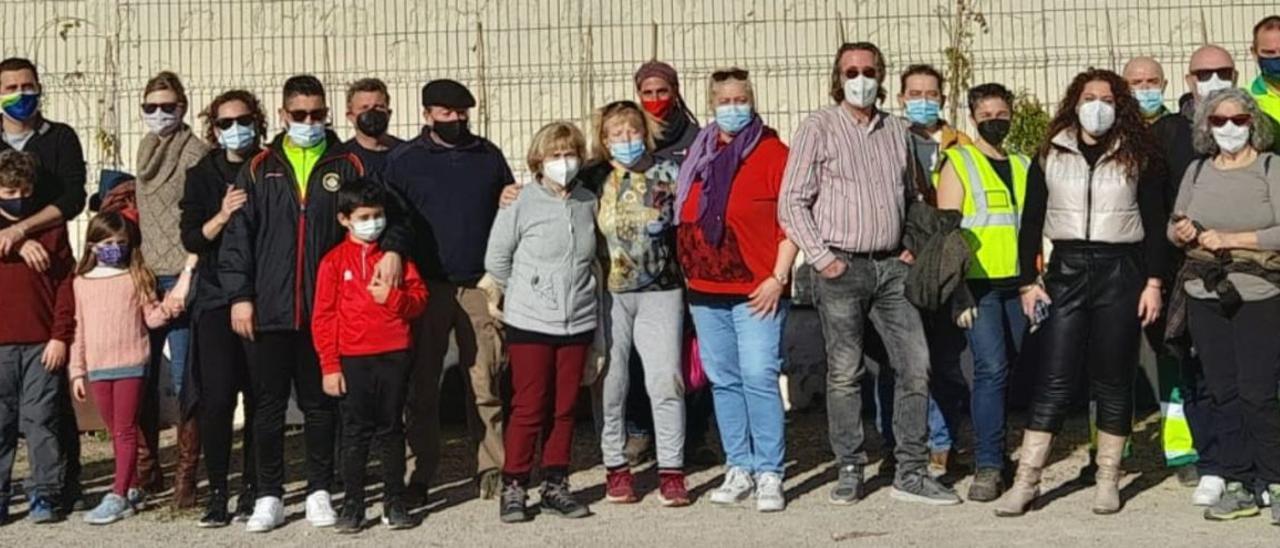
x=1211 y=69
x=1211 y=57
x=1144 y=73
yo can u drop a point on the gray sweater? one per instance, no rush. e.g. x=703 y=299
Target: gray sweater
x=541 y=252
x=1238 y=200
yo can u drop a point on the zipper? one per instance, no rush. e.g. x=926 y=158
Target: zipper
x=1088 y=204
x=300 y=241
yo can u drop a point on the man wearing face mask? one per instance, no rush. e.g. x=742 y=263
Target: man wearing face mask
x=1211 y=69
x=369 y=112
x=268 y=261
x=849 y=179
x=1266 y=87
x=451 y=180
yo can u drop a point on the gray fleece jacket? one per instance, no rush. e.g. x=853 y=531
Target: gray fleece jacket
x=541 y=251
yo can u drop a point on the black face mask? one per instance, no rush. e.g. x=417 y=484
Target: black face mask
x=994 y=131
x=454 y=133
x=16 y=207
x=373 y=122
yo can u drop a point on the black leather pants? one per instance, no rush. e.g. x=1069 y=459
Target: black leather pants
x=1093 y=327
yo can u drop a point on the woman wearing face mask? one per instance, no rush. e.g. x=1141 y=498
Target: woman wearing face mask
x=542 y=251
x=737 y=263
x=235 y=125
x=658 y=87
x=1230 y=204
x=167 y=151
x=1094 y=189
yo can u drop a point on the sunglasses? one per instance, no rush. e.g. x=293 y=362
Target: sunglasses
x=734 y=73
x=317 y=115
x=1224 y=73
x=853 y=72
x=167 y=108
x=226 y=123
x=1239 y=120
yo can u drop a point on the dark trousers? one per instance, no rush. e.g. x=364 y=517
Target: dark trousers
x=280 y=361
x=545 y=379
x=1197 y=406
x=224 y=374
x=1241 y=357
x=29 y=404
x=1093 y=328
x=69 y=440
x=373 y=408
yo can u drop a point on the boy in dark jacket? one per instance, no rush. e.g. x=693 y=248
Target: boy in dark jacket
x=361 y=332
x=267 y=266
x=37 y=325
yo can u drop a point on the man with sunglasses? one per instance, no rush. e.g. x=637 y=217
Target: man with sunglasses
x=267 y=266
x=849 y=180
x=451 y=180
x=1211 y=69
x=1266 y=87
x=369 y=112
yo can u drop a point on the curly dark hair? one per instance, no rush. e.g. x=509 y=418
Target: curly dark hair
x=210 y=114
x=1136 y=147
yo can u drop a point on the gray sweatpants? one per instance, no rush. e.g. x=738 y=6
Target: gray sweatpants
x=29 y=404
x=653 y=322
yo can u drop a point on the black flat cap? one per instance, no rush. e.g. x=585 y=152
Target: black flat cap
x=448 y=94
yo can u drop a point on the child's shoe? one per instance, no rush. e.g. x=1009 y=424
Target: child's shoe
x=113 y=508
x=41 y=510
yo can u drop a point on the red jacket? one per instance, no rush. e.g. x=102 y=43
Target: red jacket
x=36 y=307
x=346 y=320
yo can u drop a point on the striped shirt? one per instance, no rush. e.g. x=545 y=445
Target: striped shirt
x=846 y=184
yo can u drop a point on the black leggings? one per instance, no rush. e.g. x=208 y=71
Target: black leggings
x=1093 y=327
x=1241 y=360
x=224 y=373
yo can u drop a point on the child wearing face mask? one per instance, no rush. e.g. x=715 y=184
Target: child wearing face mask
x=116 y=304
x=361 y=332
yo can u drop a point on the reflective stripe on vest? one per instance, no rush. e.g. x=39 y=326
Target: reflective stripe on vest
x=991 y=226
x=1269 y=104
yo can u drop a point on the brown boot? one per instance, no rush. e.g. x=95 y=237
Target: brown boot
x=184 y=478
x=150 y=477
x=1106 y=494
x=1026 y=483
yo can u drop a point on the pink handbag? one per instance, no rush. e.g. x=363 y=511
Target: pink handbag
x=695 y=378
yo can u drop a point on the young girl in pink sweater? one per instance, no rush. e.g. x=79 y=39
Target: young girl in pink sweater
x=115 y=305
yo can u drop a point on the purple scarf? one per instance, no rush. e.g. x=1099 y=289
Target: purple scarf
x=716 y=170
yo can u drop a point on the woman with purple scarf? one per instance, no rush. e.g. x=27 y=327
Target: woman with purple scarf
x=737 y=265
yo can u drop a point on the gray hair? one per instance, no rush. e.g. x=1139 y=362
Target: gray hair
x=1260 y=137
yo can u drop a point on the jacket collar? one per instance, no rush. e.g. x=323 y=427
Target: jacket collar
x=1069 y=140
x=333 y=146
x=424 y=139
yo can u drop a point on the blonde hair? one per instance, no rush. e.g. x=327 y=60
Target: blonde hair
x=105 y=226
x=629 y=112
x=166 y=80
x=552 y=138
x=729 y=75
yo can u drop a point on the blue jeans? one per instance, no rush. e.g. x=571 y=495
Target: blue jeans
x=742 y=356
x=1000 y=323
x=177 y=333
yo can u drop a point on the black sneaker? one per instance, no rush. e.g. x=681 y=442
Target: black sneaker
x=72 y=500
x=395 y=515
x=1188 y=476
x=923 y=489
x=511 y=507
x=558 y=500
x=215 y=511
x=987 y=485
x=244 y=505
x=1236 y=502
x=848 y=489
x=351 y=520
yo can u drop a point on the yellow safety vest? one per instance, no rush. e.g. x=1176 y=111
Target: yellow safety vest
x=991 y=217
x=1269 y=103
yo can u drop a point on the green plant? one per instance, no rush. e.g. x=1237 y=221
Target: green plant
x=1030 y=123
x=961 y=21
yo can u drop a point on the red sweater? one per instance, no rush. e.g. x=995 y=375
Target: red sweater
x=38 y=306
x=347 y=321
x=746 y=255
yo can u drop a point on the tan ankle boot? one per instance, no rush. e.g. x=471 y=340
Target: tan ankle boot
x=1106 y=495
x=1026 y=483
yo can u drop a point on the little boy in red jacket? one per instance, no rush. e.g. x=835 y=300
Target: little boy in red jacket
x=361 y=331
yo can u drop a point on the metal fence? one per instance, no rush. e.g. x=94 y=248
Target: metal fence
x=533 y=61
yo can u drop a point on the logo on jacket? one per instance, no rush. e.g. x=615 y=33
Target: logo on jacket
x=331 y=182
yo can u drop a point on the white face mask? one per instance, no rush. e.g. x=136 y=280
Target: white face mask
x=560 y=170
x=1206 y=88
x=1231 y=138
x=368 y=230
x=160 y=122
x=1096 y=117
x=861 y=91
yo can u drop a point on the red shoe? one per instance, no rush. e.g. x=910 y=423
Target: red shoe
x=671 y=490
x=620 y=487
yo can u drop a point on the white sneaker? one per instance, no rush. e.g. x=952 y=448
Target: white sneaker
x=1208 y=491
x=769 y=496
x=268 y=513
x=736 y=487
x=320 y=510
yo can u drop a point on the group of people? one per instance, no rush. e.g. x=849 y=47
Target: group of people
x=338 y=272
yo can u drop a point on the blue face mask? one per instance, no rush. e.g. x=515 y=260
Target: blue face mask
x=1149 y=100
x=923 y=112
x=21 y=106
x=1270 y=67
x=237 y=137
x=627 y=153
x=732 y=118
x=306 y=135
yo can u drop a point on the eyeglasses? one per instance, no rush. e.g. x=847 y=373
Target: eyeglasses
x=317 y=115
x=167 y=108
x=733 y=73
x=1239 y=120
x=226 y=123
x=1224 y=73
x=853 y=72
